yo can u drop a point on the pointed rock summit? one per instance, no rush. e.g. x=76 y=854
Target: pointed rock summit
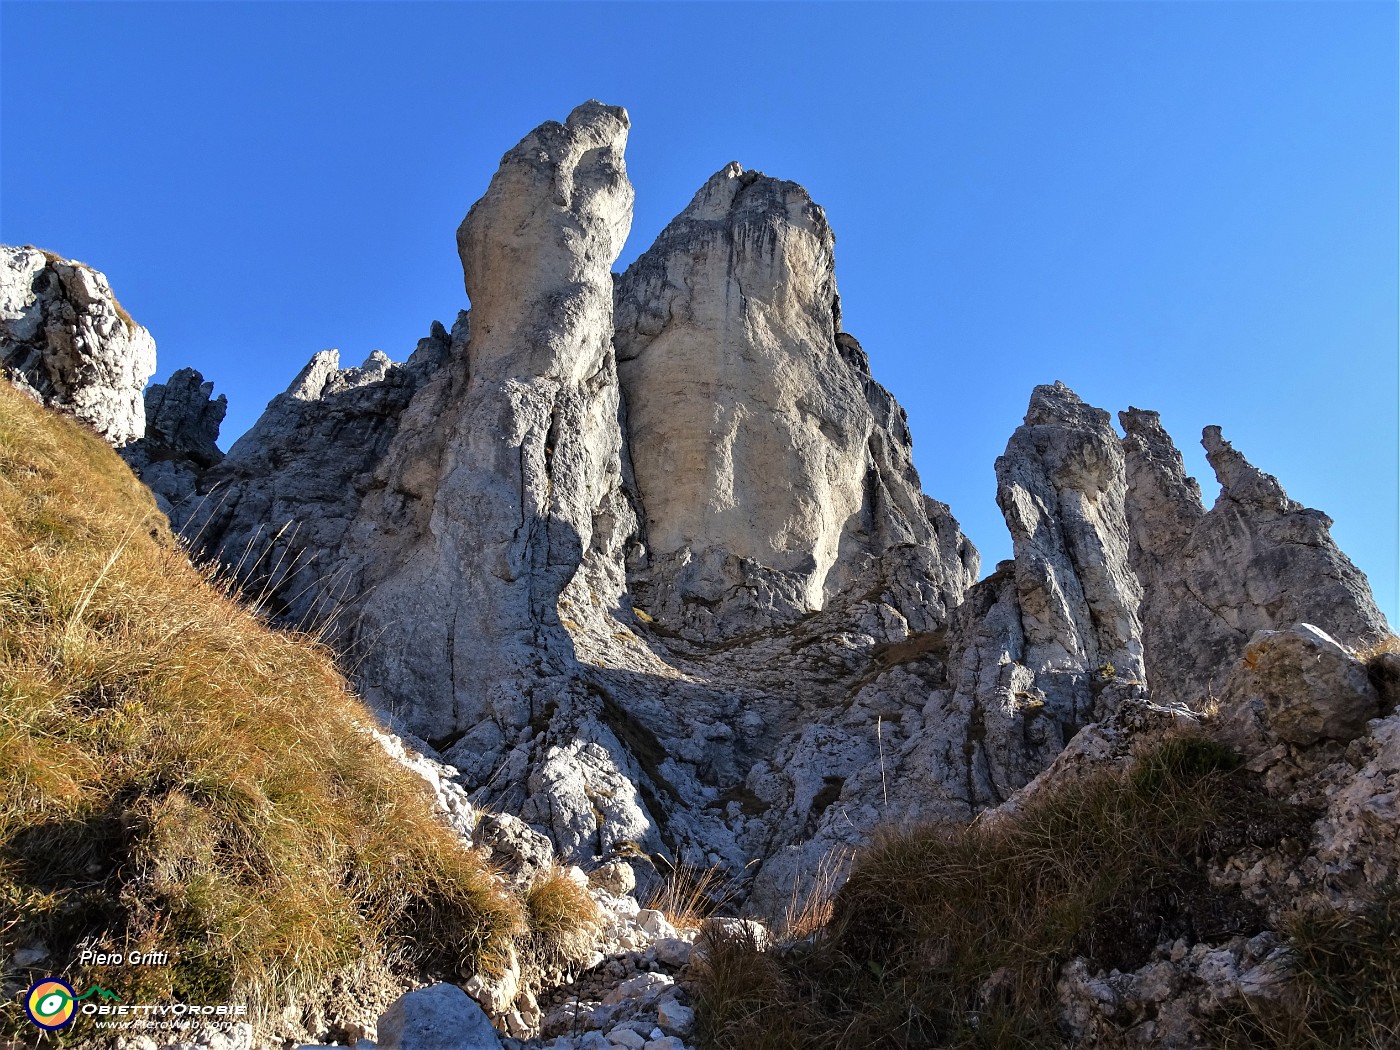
x=1256 y=561
x=644 y=558
x=181 y=437
x=457 y=610
x=770 y=466
x=1061 y=487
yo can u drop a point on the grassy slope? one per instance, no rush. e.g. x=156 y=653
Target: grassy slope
x=176 y=776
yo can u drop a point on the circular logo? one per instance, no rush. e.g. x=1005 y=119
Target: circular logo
x=50 y=1003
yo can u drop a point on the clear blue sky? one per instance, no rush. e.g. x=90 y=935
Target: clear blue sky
x=1183 y=206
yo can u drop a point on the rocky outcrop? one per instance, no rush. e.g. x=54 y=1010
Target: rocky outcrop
x=769 y=464
x=182 y=417
x=1061 y=488
x=1255 y=561
x=1307 y=722
x=642 y=561
x=181 y=438
x=277 y=509
x=66 y=341
x=526 y=485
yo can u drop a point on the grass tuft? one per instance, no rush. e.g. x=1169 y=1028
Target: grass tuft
x=1345 y=990
x=688 y=895
x=563 y=918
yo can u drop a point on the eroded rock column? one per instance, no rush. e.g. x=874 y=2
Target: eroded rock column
x=460 y=618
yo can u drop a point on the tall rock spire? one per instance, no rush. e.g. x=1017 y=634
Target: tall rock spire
x=769 y=464
x=1061 y=488
x=526 y=454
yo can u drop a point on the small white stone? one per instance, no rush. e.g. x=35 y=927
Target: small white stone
x=655 y=924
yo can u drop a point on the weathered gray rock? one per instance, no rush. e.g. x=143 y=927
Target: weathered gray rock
x=437 y=1017
x=616 y=877
x=458 y=614
x=769 y=464
x=497 y=992
x=687 y=603
x=277 y=508
x=66 y=341
x=181 y=438
x=517 y=849
x=1255 y=561
x=1061 y=487
x=1169 y=1002
x=182 y=417
x=1300 y=686
x=1358 y=834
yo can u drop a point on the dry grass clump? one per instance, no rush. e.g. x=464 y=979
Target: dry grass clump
x=745 y=996
x=564 y=920
x=952 y=936
x=813 y=900
x=1346 y=985
x=688 y=895
x=176 y=776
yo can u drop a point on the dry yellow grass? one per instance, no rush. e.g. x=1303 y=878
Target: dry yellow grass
x=813 y=899
x=564 y=921
x=177 y=776
x=688 y=895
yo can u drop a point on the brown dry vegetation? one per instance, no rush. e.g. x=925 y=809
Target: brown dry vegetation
x=564 y=921
x=176 y=776
x=687 y=895
x=953 y=936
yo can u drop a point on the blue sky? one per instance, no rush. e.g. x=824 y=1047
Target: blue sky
x=1190 y=207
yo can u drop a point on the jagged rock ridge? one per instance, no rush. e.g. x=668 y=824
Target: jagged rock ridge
x=1255 y=561
x=646 y=559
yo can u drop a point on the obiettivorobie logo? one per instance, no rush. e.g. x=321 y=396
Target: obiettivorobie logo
x=51 y=1003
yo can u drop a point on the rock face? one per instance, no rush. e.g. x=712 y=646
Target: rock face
x=769 y=464
x=644 y=559
x=1305 y=718
x=279 y=506
x=1255 y=561
x=1061 y=488
x=1300 y=686
x=65 y=340
x=527 y=485
x=181 y=438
